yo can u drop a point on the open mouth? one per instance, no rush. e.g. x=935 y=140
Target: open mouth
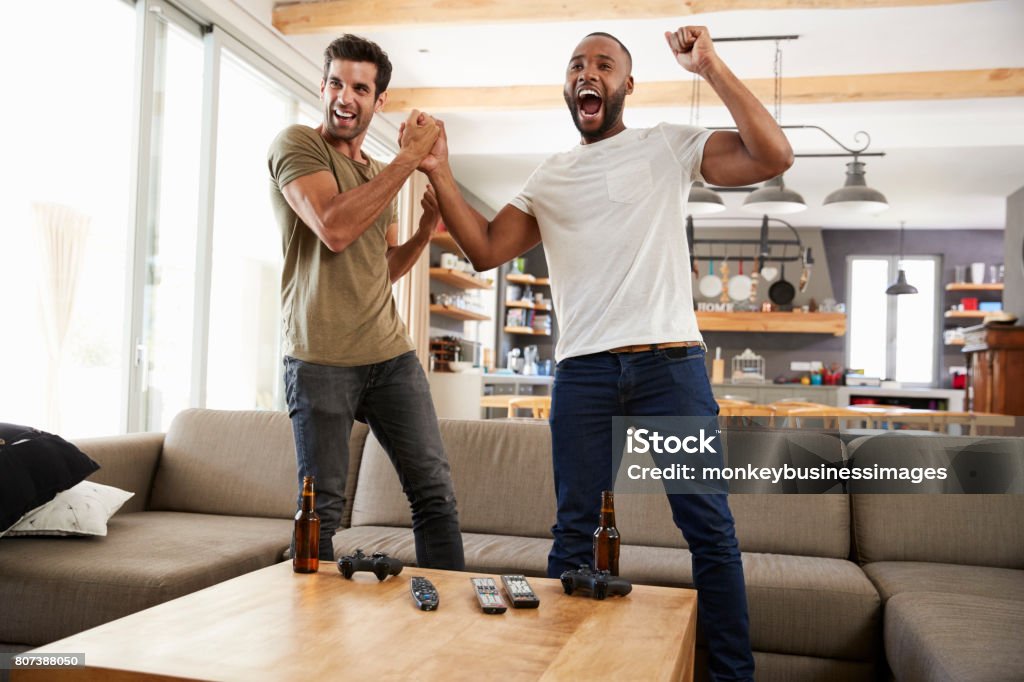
x=344 y=117
x=589 y=103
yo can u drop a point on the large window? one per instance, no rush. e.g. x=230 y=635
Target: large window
x=893 y=336
x=67 y=138
x=141 y=264
x=244 y=361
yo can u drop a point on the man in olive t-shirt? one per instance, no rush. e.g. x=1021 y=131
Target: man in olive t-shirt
x=347 y=352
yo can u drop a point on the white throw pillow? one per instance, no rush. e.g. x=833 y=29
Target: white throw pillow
x=81 y=510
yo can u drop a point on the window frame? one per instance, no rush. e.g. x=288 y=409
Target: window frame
x=891 y=314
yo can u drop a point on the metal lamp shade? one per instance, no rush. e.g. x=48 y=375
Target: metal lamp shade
x=774 y=197
x=901 y=285
x=855 y=195
x=703 y=201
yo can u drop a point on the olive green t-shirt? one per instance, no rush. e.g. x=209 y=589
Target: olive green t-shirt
x=337 y=308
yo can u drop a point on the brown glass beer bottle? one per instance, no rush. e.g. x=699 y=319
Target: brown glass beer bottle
x=307 y=532
x=606 y=537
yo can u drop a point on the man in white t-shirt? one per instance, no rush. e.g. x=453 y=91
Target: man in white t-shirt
x=611 y=215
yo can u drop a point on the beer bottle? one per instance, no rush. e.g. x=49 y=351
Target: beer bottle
x=307 y=532
x=606 y=537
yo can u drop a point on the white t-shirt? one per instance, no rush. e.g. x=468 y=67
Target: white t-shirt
x=612 y=217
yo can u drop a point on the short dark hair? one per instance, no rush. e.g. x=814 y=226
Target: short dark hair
x=357 y=49
x=609 y=35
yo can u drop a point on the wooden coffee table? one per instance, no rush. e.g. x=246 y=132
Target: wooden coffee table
x=274 y=624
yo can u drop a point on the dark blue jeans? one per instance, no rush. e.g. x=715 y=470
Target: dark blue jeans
x=393 y=397
x=589 y=390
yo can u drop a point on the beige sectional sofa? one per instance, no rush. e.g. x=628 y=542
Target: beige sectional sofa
x=836 y=583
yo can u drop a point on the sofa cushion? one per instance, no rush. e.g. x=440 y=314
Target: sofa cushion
x=234 y=462
x=81 y=510
x=34 y=467
x=798 y=605
x=896 y=577
x=773 y=667
x=54 y=587
x=978 y=530
x=128 y=462
x=497 y=467
x=807 y=525
x=941 y=637
x=484 y=553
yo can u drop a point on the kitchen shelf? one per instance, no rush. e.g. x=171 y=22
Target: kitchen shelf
x=966 y=286
x=960 y=342
x=526 y=279
x=527 y=305
x=458 y=278
x=457 y=313
x=967 y=314
x=529 y=331
x=446 y=241
x=789 y=323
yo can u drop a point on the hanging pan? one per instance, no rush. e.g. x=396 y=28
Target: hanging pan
x=710 y=285
x=782 y=292
x=739 y=286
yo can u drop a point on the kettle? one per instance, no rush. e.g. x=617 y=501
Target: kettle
x=530 y=364
x=513 y=360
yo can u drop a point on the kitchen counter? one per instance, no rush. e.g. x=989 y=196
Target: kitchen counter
x=917 y=397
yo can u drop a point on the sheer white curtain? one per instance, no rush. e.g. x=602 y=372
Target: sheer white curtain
x=412 y=292
x=61 y=234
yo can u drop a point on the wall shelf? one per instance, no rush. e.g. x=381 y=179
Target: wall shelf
x=966 y=286
x=458 y=278
x=967 y=314
x=526 y=279
x=529 y=331
x=788 y=323
x=446 y=241
x=527 y=305
x=457 y=313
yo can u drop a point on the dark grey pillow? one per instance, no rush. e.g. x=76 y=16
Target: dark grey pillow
x=34 y=467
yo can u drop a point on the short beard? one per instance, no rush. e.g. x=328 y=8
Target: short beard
x=613 y=107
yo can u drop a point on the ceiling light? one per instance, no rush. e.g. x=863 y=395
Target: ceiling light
x=855 y=195
x=901 y=285
x=774 y=197
x=703 y=201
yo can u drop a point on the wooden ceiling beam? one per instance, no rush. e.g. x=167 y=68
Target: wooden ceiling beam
x=339 y=16
x=878 y=87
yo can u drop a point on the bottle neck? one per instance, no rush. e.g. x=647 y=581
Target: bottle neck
x=607 y=509
x=308 y=495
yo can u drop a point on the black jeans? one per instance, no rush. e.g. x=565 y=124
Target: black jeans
x=393 y=397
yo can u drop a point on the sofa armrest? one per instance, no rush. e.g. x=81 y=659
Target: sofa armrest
x=128 y=462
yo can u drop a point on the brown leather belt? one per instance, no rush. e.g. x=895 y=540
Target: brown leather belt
x=643 y=347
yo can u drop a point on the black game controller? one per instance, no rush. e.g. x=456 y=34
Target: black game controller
x=380 y=563
x=599 y=583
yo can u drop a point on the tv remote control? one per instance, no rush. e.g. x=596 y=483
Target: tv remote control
x=519 y=592
x=424 y=593
x=488 y=596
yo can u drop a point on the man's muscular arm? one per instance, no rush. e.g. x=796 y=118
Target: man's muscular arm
x=759 y=150
x=401 y=258
x=487 y=244
x=339 y=218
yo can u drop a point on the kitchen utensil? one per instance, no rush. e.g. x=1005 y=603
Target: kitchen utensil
x=710 y=285
x=782 y=292
x=755 y=280
x=724 y=269
x=739 y=286
x=805 y=274
x=769 y=273
x=513 y=361
x=530 y=360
